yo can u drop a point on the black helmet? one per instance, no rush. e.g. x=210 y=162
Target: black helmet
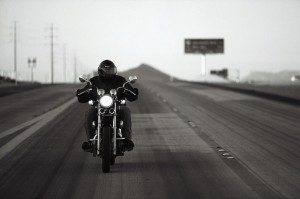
x=107 y=69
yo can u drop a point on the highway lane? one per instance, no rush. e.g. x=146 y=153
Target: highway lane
x=21 y=107
x=262 y=134
x=189 y=144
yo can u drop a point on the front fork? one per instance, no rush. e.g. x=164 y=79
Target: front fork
x=98 y=132
x=98 y=137
x=115 y=130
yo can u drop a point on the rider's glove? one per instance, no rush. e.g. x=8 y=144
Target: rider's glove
x=121 y=93
x=136 y=91
x=93 y=91
x=128 y=94
x=83 y=95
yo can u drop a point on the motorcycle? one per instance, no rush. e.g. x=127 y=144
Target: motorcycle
x=107 y=142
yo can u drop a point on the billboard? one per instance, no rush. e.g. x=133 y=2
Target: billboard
x=204 y=46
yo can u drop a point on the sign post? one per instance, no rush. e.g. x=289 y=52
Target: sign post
x=203 y=47
x=31 y=66
x=203 y=71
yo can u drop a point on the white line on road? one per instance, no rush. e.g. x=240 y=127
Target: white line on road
x=40 y=122
x=19 y=127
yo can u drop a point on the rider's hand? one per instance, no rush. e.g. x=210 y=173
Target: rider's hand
x=121 y=93
x=93 y=91
x=136 y=91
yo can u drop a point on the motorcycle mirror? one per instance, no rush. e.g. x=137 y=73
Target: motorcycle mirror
x=83 y=78
x=132 y=79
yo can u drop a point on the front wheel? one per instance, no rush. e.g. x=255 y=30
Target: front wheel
x=106 y=149
x=112 y=160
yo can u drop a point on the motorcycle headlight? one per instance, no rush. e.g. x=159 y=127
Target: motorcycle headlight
x=106 y=101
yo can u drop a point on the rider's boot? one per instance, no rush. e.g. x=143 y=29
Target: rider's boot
x=128 y=144
x=86 y=146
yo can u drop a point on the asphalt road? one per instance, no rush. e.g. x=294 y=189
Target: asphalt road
x=191 y=142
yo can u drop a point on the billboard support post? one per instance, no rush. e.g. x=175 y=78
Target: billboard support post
x=203 y=67
x=203 y=47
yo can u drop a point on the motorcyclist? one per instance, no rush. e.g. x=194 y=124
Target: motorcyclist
x=108 y=79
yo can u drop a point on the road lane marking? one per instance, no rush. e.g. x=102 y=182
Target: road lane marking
x=40 y=122
x=31 y=122
x=192 y=124
x=19 y=127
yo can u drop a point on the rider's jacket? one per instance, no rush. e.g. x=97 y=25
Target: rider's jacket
x=84 y=95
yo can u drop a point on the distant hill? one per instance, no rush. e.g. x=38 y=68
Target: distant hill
x=145 y=72
x=266 y=77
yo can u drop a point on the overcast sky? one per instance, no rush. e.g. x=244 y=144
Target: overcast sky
x=259 y=34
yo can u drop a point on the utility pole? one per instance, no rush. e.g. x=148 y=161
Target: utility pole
x=238 y=75
x=64 y=63
x=75 y=67
x=15 y=52
x=51 y=52
x=203 y=69
x=51 y=46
